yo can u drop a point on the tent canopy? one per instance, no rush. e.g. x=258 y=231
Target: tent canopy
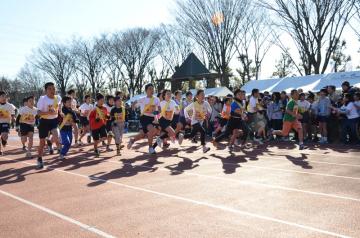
x=308 y=83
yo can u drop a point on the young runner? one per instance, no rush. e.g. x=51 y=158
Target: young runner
x=225 y=116
x=236 y=126
x=149 y=107
x=66 y=126
x=98 y=118
x=85 y=110
x=117 y=115
x=27 y=119
x=109 y=105
x=291 y=119
x=200 y=108
x=7 y=114
x=48 y=110
x=72 y=94
x=168 y=108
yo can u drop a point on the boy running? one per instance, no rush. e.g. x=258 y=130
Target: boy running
x=291 y=119
x=98 y=118
x=85 y=110
x=117 y=116
x=7 y=114
x=149 y=107
x=66 y=126
x=48 y=110
x=27 y=118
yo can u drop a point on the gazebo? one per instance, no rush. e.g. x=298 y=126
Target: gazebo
x=190 y=70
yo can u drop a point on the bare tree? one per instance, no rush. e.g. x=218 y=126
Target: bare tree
x=57 y=62
x=32 y=79
x=135 y=48
x=284 y=66
x=174 y=46
x=89 y=58
x=214 y=25
x=81 y=85
x=339 y=59
x=315 y=26
x=254 y=43
x=113 y=65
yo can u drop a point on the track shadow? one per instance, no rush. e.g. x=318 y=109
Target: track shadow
x=184 y=165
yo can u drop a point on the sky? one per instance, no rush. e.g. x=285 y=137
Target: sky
x=24 y=24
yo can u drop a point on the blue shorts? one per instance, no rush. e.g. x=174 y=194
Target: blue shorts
x=323 y=119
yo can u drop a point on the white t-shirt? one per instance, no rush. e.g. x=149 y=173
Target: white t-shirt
x=199 y=112
x=168 y=108
x=148 y=106
x=177 y=108
x=303 y=106
x=27 y=115
x=351 y=111
x=45 y=104
x=85 y=109
x=253 y=104
x=6 y=110
x=108 y=108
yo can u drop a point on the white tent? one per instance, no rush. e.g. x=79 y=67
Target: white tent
x=216 y=92
x=308 y=83
x=135 y=98
x=262 y=85
x=289 y=83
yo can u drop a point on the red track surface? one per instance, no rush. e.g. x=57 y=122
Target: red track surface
x=268 y=191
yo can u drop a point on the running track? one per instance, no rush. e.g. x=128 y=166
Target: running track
x=265 y=191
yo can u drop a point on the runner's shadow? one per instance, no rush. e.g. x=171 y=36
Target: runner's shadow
x=127 y=170
x=182 y=166
x=230 y=163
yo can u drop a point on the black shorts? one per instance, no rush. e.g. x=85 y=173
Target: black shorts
x=175 y=121
x=223 y=122
x=182 y=120
x=84 y=121
x=25 y=129
x=145 y=121
x=305 y=118
x=46 y=126
x=164 y=123
x=234 y=123
x=324 y=119
x=99 y=133
x=4 y=127
x=108 y=126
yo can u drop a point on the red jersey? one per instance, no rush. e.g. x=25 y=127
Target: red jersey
x=98 y=117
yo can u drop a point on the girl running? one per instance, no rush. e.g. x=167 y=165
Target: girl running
x=199 y=109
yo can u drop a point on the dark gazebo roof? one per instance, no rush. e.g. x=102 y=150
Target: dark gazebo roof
x=191 y=68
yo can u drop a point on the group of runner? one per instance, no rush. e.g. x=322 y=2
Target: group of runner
x=164 y=118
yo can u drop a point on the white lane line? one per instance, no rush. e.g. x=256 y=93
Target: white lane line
x=279 y=169
x=245 y=182
x=281 y=157
x=59 y=215
x=196 y=202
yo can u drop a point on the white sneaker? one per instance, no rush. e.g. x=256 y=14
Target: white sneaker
x=159 y=141
x=205 y=149
x=181 y=138
x=151 y=151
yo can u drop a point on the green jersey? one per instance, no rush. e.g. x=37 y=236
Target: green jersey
x=291 y=106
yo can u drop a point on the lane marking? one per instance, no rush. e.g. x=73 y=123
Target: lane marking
x=201 y=203
x=58 y=215
x=246 y=182
x=283 y=170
